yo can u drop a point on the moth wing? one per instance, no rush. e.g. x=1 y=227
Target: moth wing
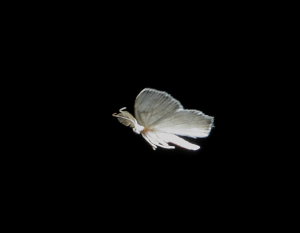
x=191 y=123
x=151 y=106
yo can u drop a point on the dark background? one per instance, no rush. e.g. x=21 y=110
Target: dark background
x=90 y=64
x=199 y=69
x=98 y=64
x=202 y=65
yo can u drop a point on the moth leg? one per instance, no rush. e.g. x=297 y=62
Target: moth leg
x=158 y=141
x=149 y=141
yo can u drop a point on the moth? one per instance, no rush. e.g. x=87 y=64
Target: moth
x=161 y=119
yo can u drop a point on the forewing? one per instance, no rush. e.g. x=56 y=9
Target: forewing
x=151 y=106
x=191 y=123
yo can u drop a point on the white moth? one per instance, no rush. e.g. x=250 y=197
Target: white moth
x=159 y=118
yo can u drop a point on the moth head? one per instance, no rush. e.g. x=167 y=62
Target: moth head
x=127 y=119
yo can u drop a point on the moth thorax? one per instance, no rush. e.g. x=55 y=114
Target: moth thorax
x=138 y=128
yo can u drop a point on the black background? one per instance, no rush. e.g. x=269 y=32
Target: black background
x=89 y=65
x=200 y=68
x=99 y=71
